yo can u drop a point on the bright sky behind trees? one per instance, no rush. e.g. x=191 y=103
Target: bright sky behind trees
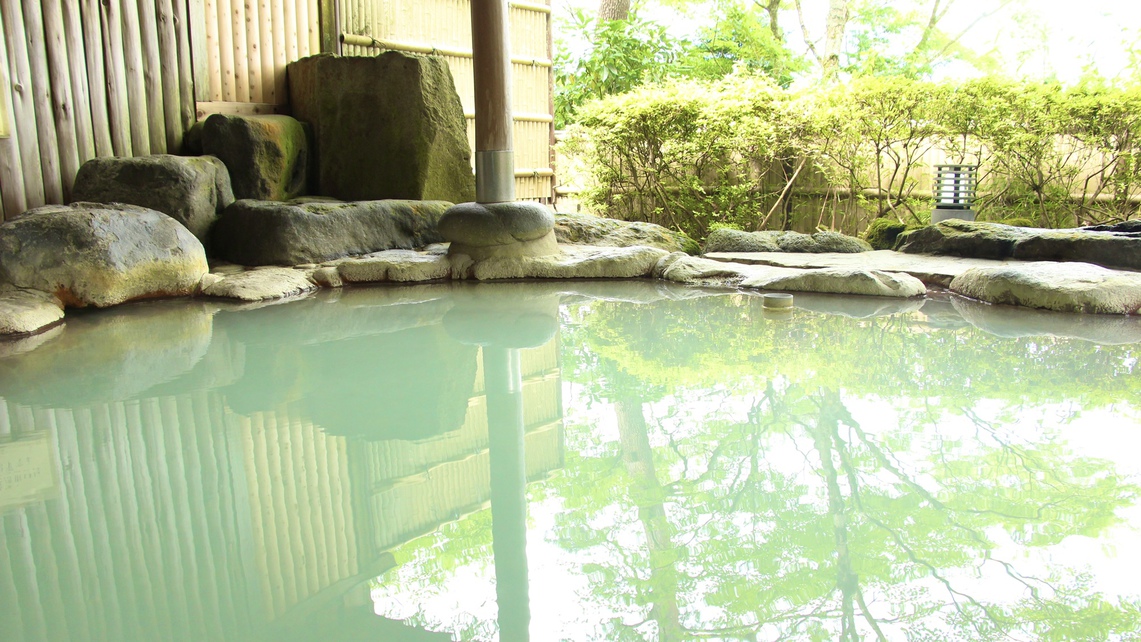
x=1037 y=39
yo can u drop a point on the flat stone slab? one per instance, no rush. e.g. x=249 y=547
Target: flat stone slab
x=1063 y=287
x=572 y=262
x=831 y=280
x=27 y=311
x=399 y=266
x=261 y=285
x=934 y=270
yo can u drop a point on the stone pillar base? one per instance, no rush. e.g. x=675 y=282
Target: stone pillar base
x=486 y=230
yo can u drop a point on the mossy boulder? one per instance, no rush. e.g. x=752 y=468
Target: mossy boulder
x=91 y=254
x=982 y=240
x=882 y=233
x=267 y=156
x=584 y=229
x=191 y=190
x=271 y=233
x=388 y=127
x=727 y=240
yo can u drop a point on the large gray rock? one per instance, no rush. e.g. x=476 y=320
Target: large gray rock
x=726 y=240
x=191 y=190
x=484 y=230
x=268 y=156
x=271 y=233
x=701 y=271
x=385 y=127
x=1109 y=246
x=584 y=229
x=1063 y=287
x=100 y=255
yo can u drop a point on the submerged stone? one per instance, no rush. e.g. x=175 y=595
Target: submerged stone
x=191 y=190
x=100 y=255
x=261 y=285
x=270 y=233
x=27 y=311
x=267 y=156
x=386 y=127
x=702 y=271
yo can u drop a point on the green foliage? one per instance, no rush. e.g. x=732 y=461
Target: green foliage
x=615 y=57
x=742 y=152
x=740 y=39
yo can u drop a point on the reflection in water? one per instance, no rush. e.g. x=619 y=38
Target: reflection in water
x=853 y=471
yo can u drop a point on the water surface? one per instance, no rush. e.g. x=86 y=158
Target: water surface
x=594 y=461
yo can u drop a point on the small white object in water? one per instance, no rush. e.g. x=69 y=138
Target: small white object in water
x=777 y=300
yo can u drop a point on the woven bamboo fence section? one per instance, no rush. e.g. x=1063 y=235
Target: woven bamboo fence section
x=443 y=27
x=87 y=78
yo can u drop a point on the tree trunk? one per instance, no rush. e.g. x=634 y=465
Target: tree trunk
x=834 y=37
x=773 y=9
x=613 y=10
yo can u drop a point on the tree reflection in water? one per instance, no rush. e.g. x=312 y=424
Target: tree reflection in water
x=906 y=480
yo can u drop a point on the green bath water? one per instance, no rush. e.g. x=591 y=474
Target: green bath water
x=571 y=461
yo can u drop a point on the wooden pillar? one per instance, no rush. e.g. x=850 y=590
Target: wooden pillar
x=494 y=162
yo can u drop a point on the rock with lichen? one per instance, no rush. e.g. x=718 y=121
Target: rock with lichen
x=267 y=156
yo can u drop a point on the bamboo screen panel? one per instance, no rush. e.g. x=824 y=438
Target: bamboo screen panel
x=444 y=27
x=243 y=46
x=87 y=78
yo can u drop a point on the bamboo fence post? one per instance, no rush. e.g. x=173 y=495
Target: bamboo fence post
x=40 y=89
x=136 y=85
x=80 y=92
x=313 y=23
x=347 y=16
x=183 y=36
x=152 y=74
x=13 y=197
x=226 y=47
x=265 y=37
x=289 y=15
x=301 y=15
x=24 y=126
x=213 y=48
x=253 y=46
x=117 y=103
x=63 y=106
x=241 y=56
x=96 y=81
x=168 y=65
x=279 y=53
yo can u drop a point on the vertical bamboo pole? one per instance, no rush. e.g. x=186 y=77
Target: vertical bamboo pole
x=265 y=46
x=24 y=571
x=257 y=466
x=96 y=81
x=137 y=100
x=163 y=534
x=253 y=47
x=152 y=74
x=118 y=104
x=241 y=55
x=280 y=52
x=314 y=25
x=226 y=47
x=289 y=15
x=213 y=51
x=347 y=17
x=183 y=37
x=40 y=88
x=301 y=9
x=63 y=106
x=14 y=196
x=328 y=27
x=136 y=486
x=169 y=72
x=80 y=83
x=313 y=562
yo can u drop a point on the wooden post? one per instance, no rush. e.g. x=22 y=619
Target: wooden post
x=253 y=46
x=491 y=50
x=96 y=78
x=40 y=88
x=13 y=197
x=314 y=26
x=118 y=107
x=136 y=86
x=302 y=18
x=226 y=47
x=152 y=75
x=279 y=53
x=183 y=36
x=289 y=28
x=209 y=49
x=168 y=64
x=240 y=54
x=80 y=94
x=63 y=107
x=330 y=28
x=265 y=35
